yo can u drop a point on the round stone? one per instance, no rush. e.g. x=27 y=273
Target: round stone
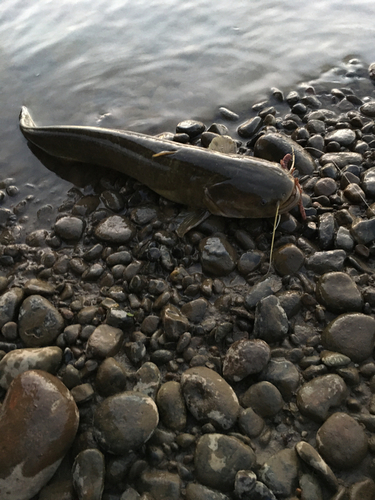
x=325 y=187
x=264 y=398
x=245 y=357
x=338 y=336
x=218 y=257
x=38 y=422
x=125 y=421
x=104 y=341
x=345 y=136
x=338 y=293
x=39 y=322
x=69 y=228
x=171 y=405
x=209 y=397
x=342 y=441
x=316 y=397
x=115 y=229
x=288 y=259
x=218 y=458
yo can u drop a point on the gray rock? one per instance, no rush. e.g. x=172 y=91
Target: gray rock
x=264 y=398
x=218 y=257
x=111 y=377
x=82 y=393
x=250 y=422
x=280 y=473
x=284 y=375
x=148 y=380
x=324 y=262
x=38 y=423
x=338 y=336
x=209 y=397
x=195 y=310
x=368 y=109
x=310 y=486
x=247 y=486
x=288 y=259
x=263 y=289
x=115 y=428
x=338 y=293
x=345 y=136
x=316 y=397
x=9 y=303
x=160 y=484
x=218 y=458
x=171 y=406
x=199 y=492
x=245 y=357
x=271 y=322
x=362 y=490
x=341 y=159
x=115 y=229
x=39 y=287
x=39 y=322
x=88 y=474
x=69 y=228
x=368 y=182
x=104 y=341
x=20 y=360
x=342 y=441
x=343 y=239
x=363 y=231
x=326 y=231
x=312 y=458
x=174 y=322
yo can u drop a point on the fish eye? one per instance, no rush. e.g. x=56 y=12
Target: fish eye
x=263 y=202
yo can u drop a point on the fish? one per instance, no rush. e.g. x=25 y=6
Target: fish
x=205 y=180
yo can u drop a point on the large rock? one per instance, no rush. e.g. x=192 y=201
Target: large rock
x=9 y=302
x=280 y=473
x=245 y=357
x=209 y=397
x=38 y=422
x=338 y=293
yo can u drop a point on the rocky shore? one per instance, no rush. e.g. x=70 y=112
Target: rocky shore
x=137 y=365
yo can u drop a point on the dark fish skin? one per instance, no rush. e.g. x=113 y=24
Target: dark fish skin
x=224 y=184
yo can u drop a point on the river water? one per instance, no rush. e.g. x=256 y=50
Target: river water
x=147 y=65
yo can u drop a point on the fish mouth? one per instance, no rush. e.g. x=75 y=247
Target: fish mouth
x=292 y=201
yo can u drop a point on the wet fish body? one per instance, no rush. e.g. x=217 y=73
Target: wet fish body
x=224 y=184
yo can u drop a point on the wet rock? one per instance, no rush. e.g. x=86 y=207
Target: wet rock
x=115 y=229
x=39 y=287
x=250 y=127
x=125 y=421
x=209 y=397
x=195 y=310
x=354 y=194
x=112 y=200
x=368 y=182
x=111 y=377
x=218 y=458
x=362 y=490
x=245 y=357
x=69 y=228
x=280 y=473
x=190 y=127
x=249 y=261
x=368 y=109
x=263 y=289
x=342 y=441
x=338 y=336
x=316 y=397
x=20 y=360
x=312 y=458
x=338 y=293
x=160 y=484
x=288 y=259
x=171 y=406
x=174 y=323
x=284 y=375
x=326 y=231
x=345 y=136
x=104 y=341
x=271 y=323
x=325 y=187
x=274 y=147
x=341 y=159
x=363 y=231
x=39 y=322
x=247 y=486
x=148 y=380
x=344 y=240
x=38 y=423
x=199 y=492
x=324 y=262
x=9 y=302
x=218 y=257
x=250 y=422
x=88 y=474
x=334 y=359
x=264 y=398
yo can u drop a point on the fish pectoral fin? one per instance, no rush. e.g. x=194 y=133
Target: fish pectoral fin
x=191 y=220
x=223 y=144
x=164 y=153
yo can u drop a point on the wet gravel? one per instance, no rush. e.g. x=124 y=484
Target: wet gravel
x=197 y=371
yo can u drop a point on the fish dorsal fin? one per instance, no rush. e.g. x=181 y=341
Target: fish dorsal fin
x=223 y=144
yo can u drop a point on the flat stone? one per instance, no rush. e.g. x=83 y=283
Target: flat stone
x=264 y=398
x=245 y=357
x=18 y=361
x=280 y=473
x=339 y=336
x=218 y=458
x=39 y=322
x=271 y=322
x=342 y=441
x=316 y=397
x=288 y=259
x=115 y=229
x=196 y=491
x=88 y=474
x=368 y=182
x=38 y=423
x=115 y=427
x=209 y=397
x=363 y=231
x=345 y=136
x=267 y=287
x=160 y=484
x=218 y=257
x=250 y=422
x=174 y=322
x=284 y=375
x=39 y=287
x=171 y=406
x=104 y=341
x=9 y=302
x=195 y=310
x=338 y=293
x=324 y=262
x=341 y=159
x=312 y=458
